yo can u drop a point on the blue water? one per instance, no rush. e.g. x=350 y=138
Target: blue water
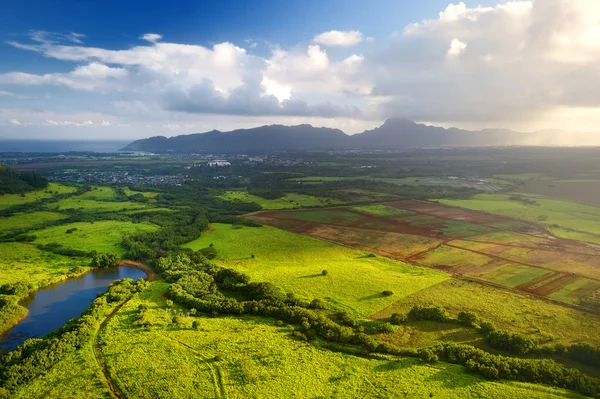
x=52 y=306
x=61 y=146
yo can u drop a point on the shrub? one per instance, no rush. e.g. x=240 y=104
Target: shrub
x=324 y=272
x=387 y=293
x=468 y=319
x=398 y=318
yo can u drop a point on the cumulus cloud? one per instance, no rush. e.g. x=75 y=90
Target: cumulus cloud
x=518 y=60
x=151 y=37
x=515 y=61
x=456 y=47
x=339 y=38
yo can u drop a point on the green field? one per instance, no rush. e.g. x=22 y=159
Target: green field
x=102 y=236
x=76 y=376
x=92 y=205
x=295 y=263
x=511 y=275
x=453 y=257
x=576 y=291
x=259 y=359
x=29 y=220
x=462 y=229
x=288 y=201
x=24 y=262
x=8 y=200
x=332 y=216
x=148 y=194
x=507 y=310
x=549 y=212
x=381 y=210
x=99 y=193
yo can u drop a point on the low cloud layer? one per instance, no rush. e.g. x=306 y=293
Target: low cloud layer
x=517 y=62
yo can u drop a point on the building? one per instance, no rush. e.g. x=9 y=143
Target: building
x=219 y=162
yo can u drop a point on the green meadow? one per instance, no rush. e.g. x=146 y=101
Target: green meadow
x=253 y=357
x=354 y=281
x=511 y=311
x=550 y=212
x=28 y=220
x=102 y=236
x=381 y=210
x=289 y=201
x=8 y=200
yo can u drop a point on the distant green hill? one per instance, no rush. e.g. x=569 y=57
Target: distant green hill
x=13 y=182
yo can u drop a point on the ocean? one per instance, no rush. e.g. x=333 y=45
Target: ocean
x=60 y=145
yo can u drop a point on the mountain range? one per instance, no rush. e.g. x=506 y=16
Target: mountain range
x=395 y=133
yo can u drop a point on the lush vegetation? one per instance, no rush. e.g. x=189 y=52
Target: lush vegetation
x=295 y=264
x=242 y=310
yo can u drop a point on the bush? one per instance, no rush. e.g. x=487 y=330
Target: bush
x=324 y=272
x=435 y=313
x=398 y=318
x=387 y=293
x=468 y=319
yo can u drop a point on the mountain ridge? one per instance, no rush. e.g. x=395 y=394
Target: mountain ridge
x=394 y=133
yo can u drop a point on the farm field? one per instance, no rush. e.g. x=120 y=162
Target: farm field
x=259 y=359
x=291 y=200
x=549 y=212
x=295 y=262
x=490 y=248
x=584 y=191
x=102 y=236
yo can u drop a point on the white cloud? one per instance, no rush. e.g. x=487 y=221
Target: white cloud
x=151 y=37
x=456 y=47
x=516 y=62
x=339 y=38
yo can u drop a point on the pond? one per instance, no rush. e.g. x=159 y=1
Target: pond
x=52 y=306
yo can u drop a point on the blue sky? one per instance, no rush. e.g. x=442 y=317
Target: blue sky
x=84 y=69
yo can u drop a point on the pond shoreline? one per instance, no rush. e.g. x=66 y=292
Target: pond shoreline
x=41 y=311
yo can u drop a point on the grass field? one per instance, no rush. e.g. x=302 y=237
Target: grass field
x=380 y=210
x=295 y=262
x=452 y=257
x=29 y=220
x=511 y=311
x=549 y=212
x=147 y=194
x=511 y=275
x=23 y=262
x=8 y=200
x=103 y=236
x=76 y=376
x=288 y=201
x=92 y=205
x=99 y=193
x=258 y=359
x=333 y=216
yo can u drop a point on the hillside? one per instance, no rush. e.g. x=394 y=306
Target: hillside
x=395 y=133
x=13 y=182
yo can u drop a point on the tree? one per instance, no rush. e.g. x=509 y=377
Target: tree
x=324 y=272
x=105 y=260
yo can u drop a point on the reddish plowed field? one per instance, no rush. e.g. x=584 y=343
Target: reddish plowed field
x=414 y=236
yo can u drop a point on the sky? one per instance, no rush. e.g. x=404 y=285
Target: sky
x=131 y=69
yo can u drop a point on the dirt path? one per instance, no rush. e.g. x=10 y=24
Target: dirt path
x=115 y=392
x=216 y=375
